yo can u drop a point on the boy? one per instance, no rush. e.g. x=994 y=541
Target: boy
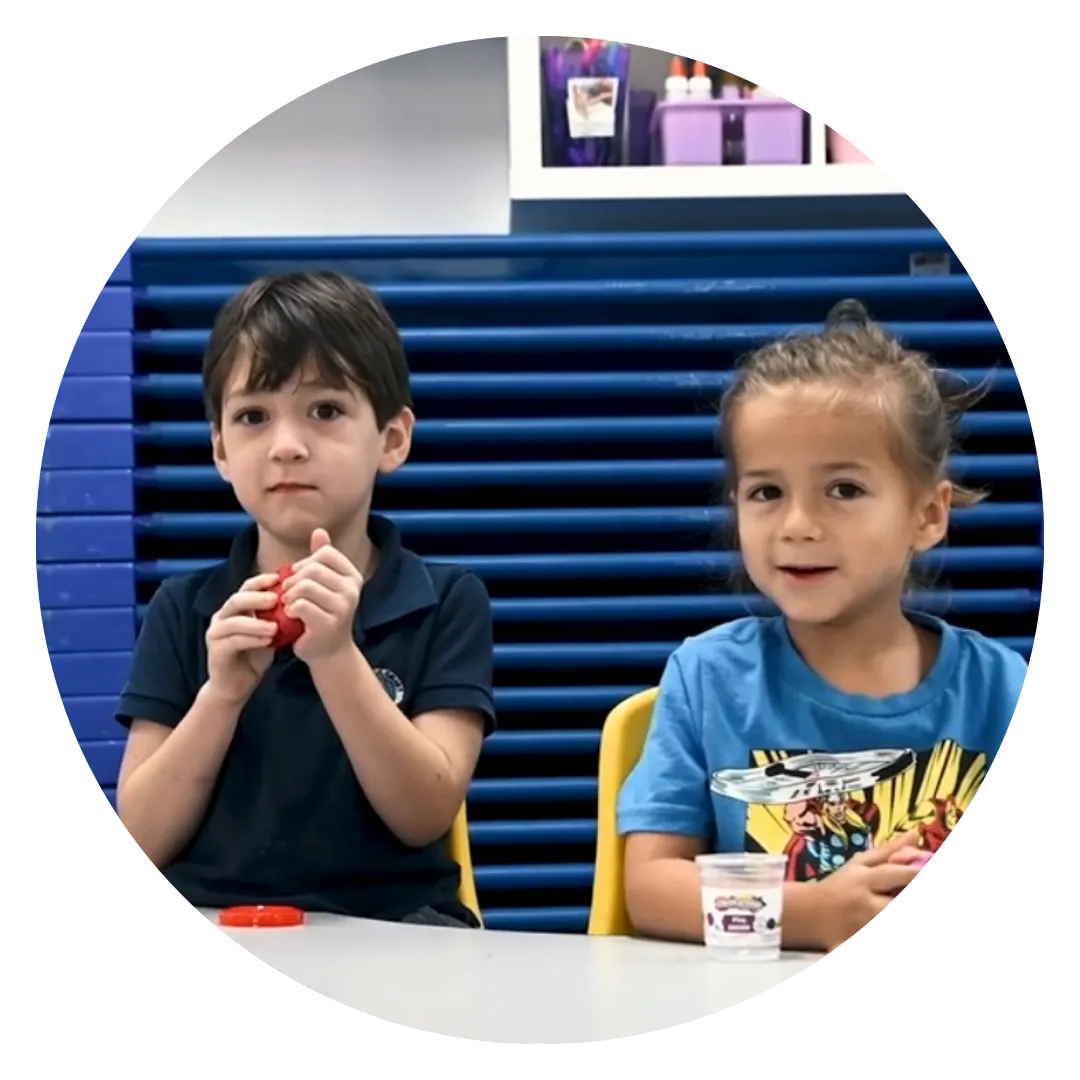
x=327 y=775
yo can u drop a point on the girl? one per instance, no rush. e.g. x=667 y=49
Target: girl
x=835 y=731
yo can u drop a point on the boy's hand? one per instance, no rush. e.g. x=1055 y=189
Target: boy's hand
x=323 y=593
x=863 y=888
x=238 y=649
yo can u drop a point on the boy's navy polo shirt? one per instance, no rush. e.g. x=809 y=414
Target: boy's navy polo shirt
x=288 y=822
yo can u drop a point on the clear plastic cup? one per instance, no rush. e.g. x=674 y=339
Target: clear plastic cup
x=742 y=902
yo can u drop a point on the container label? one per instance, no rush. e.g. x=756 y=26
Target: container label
x=742 y=919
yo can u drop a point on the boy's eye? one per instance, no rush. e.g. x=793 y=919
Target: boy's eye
x=249 y=417
x=845 y=489
x=327 y=410
x=764 y=493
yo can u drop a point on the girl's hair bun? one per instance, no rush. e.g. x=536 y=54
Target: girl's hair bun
x=850 y=313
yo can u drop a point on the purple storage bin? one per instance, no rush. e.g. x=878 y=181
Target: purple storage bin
x=692 y=132
x=773 y=132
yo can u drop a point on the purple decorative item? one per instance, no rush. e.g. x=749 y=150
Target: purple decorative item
x=585 y=102
x=642 y=107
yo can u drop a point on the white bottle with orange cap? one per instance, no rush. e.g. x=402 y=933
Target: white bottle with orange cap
x=677 y=86
x=700 y=86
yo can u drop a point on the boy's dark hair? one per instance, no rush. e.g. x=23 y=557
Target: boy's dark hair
x=283 y=321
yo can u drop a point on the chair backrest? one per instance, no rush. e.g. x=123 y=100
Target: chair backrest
x=461 y=853
x=621 y=744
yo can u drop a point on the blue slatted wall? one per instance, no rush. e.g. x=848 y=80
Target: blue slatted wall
x=566 y=388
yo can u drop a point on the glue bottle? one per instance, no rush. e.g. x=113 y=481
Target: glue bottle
x=677 y=86
x=700 y=86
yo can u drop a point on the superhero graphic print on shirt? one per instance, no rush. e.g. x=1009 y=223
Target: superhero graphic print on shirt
x=821 y=809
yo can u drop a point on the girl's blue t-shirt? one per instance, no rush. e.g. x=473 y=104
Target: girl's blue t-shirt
x=749 y=749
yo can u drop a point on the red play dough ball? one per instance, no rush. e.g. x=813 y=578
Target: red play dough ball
x=288 y=629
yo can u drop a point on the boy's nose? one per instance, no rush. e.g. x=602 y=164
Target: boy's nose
x=286 y=444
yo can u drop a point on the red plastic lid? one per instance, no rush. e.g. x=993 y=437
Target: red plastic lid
x=261 y=915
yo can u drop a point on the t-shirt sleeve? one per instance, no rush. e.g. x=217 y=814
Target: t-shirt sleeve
x=1013 y=672
x=458 y=671
x=668 y=789
x=157 y=688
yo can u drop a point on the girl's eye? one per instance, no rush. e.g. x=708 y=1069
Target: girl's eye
x=327 y=410
x=249 y=417
x=846 y=490
x=764 y=493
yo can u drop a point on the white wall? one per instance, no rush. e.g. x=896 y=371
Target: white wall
x=420 y=145
x=414 y=145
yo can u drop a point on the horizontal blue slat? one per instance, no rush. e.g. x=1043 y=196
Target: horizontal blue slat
x=94 y=718
x=109 y=791
x=561 y=698
x=538 y=920
x=84 y=585
x=569 y=293
x=619 y=520
x=521 y=244
x=89 y=446
x=87 y=629
x=104 y=757
x=101 y=354
x=544 y=742
x=652 y=564
x=107 y=397
x=656 y=564
x=541 y=876
x=558 y=385
x=91 y=674
x=112 y=310
x=86 y=491
x=512 y=833
x=520 y=339
x=570 y=430
x=85 y=539
x=720 y=607
x=121 y=275
x=585 y=655
x=575 y=655
x=568 y=789
x=692 y=471
x=543 y=657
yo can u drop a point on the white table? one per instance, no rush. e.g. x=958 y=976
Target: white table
x=503 y=986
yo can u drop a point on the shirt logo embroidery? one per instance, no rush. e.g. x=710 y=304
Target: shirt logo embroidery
x=393 y=685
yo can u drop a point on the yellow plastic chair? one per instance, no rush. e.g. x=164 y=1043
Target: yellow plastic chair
x=461 y=853
x=621 y=743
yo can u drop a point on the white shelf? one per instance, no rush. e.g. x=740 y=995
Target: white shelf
x=531 y=181
x=698 y=182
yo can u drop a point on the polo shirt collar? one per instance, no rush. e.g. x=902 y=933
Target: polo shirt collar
x=400 y=587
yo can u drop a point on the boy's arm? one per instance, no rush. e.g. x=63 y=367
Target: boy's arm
x=416 y=771
x=174 y=739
